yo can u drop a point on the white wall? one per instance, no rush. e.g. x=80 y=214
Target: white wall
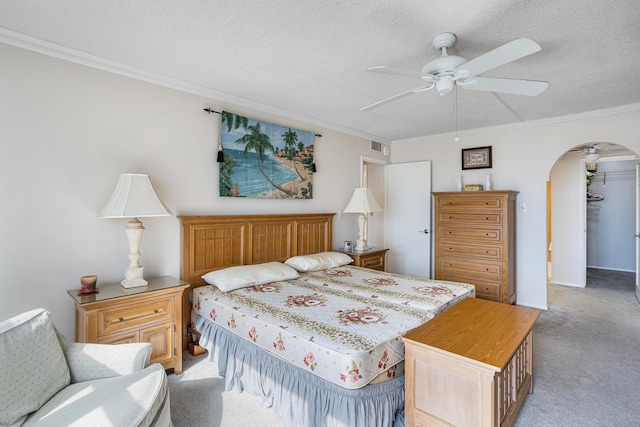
x=68 y=130
x=522 y=160
x=568 y=228
x=611 y=223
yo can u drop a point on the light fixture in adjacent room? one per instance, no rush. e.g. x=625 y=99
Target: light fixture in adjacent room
x=591 y=159
x=134 y=198
x=363 y=203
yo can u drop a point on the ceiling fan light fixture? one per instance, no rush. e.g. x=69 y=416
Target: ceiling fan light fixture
x=592 y=157
x=444 y=85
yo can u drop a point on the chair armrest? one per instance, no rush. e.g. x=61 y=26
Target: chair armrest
x=95 y=361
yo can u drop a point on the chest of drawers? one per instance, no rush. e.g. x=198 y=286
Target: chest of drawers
x=475 y=241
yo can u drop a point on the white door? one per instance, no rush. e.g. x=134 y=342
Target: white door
x=407 y=214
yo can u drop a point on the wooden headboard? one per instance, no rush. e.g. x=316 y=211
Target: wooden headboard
x=215 y=242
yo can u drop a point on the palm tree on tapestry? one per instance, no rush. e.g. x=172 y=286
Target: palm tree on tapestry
x=290 y=139
x=259 y=142
x=234 y=121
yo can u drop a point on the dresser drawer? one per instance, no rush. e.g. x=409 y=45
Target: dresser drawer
x=471 y=218
x=485 y=288
x=462 y=249
x=122 y=317
x=453 y=203
x=452 y=265
x=484 y=234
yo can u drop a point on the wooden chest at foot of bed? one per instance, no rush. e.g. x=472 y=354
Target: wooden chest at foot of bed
x=469 y=366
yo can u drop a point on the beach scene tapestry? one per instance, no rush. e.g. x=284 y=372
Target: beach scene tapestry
x=265 y=160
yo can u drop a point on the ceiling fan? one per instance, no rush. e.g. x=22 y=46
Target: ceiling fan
x=594 y=147
x=449 y=70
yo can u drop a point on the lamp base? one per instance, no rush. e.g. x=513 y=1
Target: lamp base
x=133 y=283
x=361 y=245
x=133 y=278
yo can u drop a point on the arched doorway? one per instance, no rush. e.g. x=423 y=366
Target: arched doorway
x=589 y=228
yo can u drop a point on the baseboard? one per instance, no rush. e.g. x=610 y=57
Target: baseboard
x=536 y=306
x=573 y=285
x=610 y=269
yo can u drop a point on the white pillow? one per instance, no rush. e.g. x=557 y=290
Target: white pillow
x=231 y=278
x=319 y=261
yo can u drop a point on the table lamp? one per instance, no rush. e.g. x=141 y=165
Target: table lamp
x=134 y=198
x=362 y=202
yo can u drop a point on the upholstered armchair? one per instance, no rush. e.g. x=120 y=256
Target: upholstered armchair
x=47 y=381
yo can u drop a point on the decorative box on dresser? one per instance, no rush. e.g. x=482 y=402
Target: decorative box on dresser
x=475 y=241
x=371 y=258
x=152 y=313
x=470 y=366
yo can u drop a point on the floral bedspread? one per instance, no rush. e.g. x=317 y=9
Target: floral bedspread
x=431 y=295
x=345 y=337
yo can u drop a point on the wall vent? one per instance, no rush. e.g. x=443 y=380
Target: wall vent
x=376 y=146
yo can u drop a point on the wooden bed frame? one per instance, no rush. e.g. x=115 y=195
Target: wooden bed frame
x=214 y=242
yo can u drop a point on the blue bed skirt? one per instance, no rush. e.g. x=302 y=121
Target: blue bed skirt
x=299 y=397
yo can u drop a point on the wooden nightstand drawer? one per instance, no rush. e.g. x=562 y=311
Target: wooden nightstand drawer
x=375 y=262
x=123 y=317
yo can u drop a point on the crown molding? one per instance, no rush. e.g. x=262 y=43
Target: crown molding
x=24 y=41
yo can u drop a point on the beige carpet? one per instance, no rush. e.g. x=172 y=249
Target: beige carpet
x=586 y=366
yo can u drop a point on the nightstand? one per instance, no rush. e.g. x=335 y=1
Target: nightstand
x=118 y=315
x=371 y=258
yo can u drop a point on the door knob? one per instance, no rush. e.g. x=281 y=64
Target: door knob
x=425 y=231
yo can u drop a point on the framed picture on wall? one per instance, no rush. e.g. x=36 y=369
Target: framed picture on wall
x=476 y=158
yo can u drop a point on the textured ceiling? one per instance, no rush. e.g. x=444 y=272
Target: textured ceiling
x=309 y=57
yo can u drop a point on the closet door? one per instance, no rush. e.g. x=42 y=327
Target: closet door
x=408 y=218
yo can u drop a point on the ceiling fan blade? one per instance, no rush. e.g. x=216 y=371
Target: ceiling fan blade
x=515 y=49
x=512 y=86
x=400 y=72
x=394 y=97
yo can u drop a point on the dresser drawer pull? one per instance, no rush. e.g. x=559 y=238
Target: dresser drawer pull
x=155 y=311
x=121 y=319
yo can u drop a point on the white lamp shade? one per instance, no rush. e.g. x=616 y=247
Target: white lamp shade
x=362 y=201
x=134 y=197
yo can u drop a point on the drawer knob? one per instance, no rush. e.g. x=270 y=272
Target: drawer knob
x=121 y=319
x=155 y=311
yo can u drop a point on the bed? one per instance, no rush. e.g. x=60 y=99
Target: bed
x=322 y=347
